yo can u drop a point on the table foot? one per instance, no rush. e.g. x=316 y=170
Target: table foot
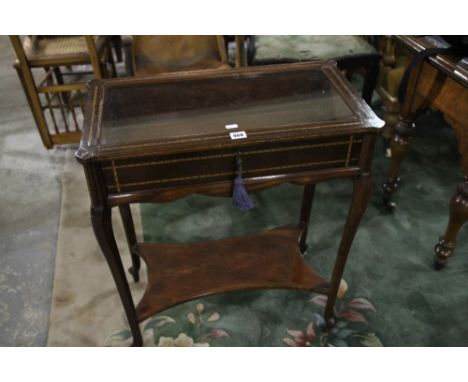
x=303 y=248
x=330 y=323
x=389 y=187
x=458 y=216
x=137 y=343
x=439 y=264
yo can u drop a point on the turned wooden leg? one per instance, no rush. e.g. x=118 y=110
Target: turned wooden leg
x=102 y=225
x=307 y=199
x=388 y=131
x=127 y=220
x=400 y=145
x=361 y=195
x=458 y=216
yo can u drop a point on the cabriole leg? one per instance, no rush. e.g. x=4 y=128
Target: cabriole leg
x=102 y=225
x=361 y=195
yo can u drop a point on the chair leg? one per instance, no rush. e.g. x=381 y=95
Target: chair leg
x=370 y=80
x=110 y=59
x=94 y=58
x=370 y=63
x=60 y=81
x=116 y=42
x=127 y=49
x=35 y=104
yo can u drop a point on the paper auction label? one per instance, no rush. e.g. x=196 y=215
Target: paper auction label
x=238 y=135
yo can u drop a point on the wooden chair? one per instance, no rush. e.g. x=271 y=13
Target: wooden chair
x=56 y=99
x=150 y=55
x=352 y=53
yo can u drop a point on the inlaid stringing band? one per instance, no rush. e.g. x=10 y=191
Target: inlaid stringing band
x=157 y=181
x=251 y=134
x=244 y=153
x=245 y=143
x=116 y=177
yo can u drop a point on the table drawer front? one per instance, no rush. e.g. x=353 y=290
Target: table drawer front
x=125 y=175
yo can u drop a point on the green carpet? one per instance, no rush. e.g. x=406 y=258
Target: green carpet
x=395 y=298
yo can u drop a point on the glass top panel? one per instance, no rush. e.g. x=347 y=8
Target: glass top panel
x=158 y=111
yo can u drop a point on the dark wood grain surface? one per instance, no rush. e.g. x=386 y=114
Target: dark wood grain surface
x=450 y=63
x=181 y=272
x=278 y=102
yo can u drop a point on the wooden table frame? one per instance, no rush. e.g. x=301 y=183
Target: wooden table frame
x=248 y=269
x=438 y=83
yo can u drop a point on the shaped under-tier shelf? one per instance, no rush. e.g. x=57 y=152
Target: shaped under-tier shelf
x=182 y=272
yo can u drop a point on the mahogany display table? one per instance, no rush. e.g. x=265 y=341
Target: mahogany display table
x=161 y=138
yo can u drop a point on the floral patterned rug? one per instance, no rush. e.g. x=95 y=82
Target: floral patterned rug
x=205 y=326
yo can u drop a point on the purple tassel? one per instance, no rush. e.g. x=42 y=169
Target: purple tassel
x=240 y=198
